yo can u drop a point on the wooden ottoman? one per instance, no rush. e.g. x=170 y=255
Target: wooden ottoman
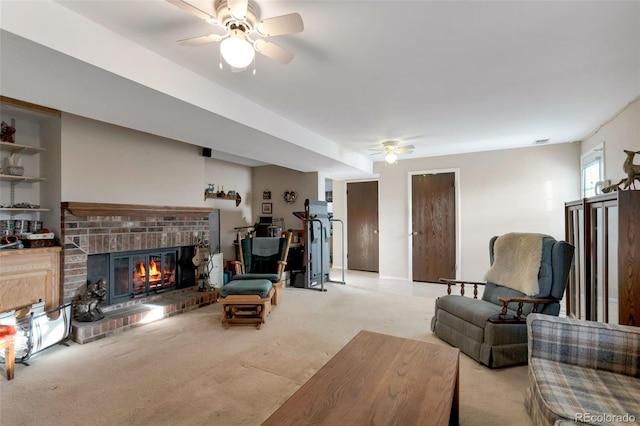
x=246 y=302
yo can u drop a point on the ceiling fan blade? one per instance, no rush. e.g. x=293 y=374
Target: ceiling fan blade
x=273 y=51
x=407 y=149
x=238 y=8
x=279 y=25
x=188 y=7
x=197 y=41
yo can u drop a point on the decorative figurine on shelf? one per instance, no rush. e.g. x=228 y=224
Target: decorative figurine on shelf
x=211 y=189
x=7 y=132
x=632 y=171
x=14 y=165
x=290 y=196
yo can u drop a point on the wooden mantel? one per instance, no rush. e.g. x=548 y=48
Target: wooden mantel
x=104 y=209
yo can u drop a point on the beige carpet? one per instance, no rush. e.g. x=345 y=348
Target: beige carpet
x=188 y=370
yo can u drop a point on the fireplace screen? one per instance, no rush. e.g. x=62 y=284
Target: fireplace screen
x=142 y=273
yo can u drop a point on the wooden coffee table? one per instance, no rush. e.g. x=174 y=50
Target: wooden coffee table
x=377 y=379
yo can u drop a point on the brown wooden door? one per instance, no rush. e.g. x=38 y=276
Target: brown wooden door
x=433 y=226
x=362 y=226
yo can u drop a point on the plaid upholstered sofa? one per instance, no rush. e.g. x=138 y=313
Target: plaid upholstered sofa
x=582 y=372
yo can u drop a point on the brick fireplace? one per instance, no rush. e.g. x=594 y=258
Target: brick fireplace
x=98 y=228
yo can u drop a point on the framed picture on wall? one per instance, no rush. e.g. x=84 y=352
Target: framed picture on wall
x=266 y=208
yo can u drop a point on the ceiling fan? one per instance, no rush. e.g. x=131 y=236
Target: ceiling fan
x=392 y=149
x=244 y=32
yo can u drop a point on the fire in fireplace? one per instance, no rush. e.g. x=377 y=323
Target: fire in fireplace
x=158 y=276
x=136 y=274
x=140 y=273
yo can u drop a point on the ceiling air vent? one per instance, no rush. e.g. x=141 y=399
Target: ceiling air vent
x=540 y=141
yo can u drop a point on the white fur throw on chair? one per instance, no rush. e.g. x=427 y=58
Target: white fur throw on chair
x=516 y=262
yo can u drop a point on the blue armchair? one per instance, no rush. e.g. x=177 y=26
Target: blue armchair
x=528 y=274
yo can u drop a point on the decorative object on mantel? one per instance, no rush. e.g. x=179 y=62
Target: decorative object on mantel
x=632 y=171
x=266 y=194
x=210 y=192
x=14 y=165
x=7 y=131
x=290 y=196
x=87 y=309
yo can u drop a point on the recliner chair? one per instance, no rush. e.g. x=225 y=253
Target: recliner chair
x=492 y=330
x=263 y=258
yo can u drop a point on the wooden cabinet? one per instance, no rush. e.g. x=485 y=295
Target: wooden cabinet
x=604 y=283
x=29 y=275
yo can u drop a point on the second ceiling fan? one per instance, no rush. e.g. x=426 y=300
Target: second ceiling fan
x=243 y=33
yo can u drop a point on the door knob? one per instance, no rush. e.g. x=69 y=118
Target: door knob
x=375 y=231
x=414 y=233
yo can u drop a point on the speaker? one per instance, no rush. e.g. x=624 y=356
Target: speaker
x=206 y=152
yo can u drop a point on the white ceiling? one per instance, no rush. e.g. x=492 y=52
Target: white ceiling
x=445 y=76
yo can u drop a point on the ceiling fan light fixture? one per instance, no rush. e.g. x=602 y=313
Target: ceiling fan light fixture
x=391 y=157
x=236 y=50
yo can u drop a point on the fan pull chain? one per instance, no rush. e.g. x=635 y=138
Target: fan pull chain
x=220 y=58
x=254 y=65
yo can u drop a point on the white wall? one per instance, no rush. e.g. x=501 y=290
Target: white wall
x=104 y=163
x=620 y=133
x=278 y=180
x=109 y=164
x=50 y=168
x=517 y=190
x=231 y=177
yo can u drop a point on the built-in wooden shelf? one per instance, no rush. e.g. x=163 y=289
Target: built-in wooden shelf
x=14 y=178
x=24 y=149
x=105 y=209
x=237 y=198
x=21 y=210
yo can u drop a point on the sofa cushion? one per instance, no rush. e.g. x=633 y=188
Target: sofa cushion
x=560 y=391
